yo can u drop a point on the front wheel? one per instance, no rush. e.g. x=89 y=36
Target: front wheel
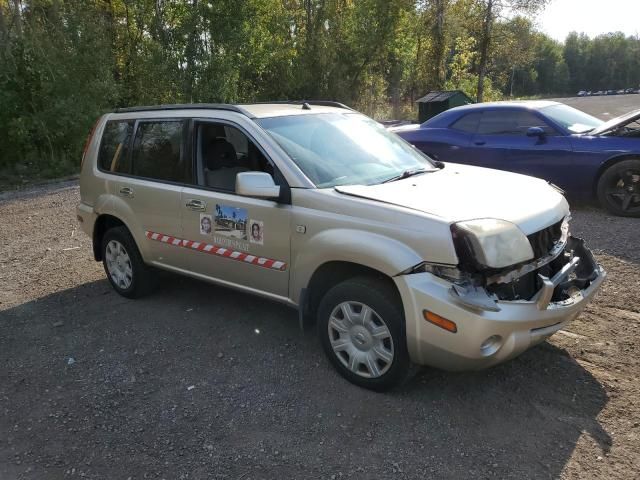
x=361 y=328
x=619 y=188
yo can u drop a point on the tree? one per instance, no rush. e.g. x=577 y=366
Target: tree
x=490 y=11
x=65 y=62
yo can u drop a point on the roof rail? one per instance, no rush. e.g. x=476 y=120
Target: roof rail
x=186 y=106
x=227 y=106
x=320 y=103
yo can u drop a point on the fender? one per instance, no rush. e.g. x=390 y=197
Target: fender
x=371 y=250
x=109 y=204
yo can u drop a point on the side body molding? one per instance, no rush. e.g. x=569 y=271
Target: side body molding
x=371 y=250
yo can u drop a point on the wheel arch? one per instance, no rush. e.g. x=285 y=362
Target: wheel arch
x=330 y=274
x=103 y=223
x=608 y=163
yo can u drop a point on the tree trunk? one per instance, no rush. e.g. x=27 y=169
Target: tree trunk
x=18 y=13
x=485 y=43
x=439 y=44
x=4 y=35
x=158 y=31
x=416 y=71
x=190 y=52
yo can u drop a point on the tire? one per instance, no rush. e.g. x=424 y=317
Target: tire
x=619 y=188
x=371 y=350
x=127 y=273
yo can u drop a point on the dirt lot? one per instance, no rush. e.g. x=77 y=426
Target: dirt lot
x=197 y=381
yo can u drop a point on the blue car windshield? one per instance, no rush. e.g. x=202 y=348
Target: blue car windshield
x=573 y=120
x=344 y=148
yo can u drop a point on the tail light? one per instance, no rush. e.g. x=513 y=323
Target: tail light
x=87 y=142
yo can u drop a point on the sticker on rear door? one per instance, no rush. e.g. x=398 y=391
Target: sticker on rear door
x=231 y=222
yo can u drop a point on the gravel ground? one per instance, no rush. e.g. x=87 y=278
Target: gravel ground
x=196 y=381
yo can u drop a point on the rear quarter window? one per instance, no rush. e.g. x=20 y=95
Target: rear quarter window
x=113 y=155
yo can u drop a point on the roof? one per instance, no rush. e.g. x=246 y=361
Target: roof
x=445 y=118
x=441 y=96
x=263 y=110
x=533 y=104
x=251 y=110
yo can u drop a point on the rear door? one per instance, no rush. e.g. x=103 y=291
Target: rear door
x=150 y=170
x=233 y=239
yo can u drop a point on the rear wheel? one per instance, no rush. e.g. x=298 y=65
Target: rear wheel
x=619 y=188
x=361 y=328
x=123 y=264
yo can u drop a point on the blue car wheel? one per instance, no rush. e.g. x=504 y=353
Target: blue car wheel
x=619 y=188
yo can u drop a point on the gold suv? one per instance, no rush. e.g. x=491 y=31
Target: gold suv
x=397 y=258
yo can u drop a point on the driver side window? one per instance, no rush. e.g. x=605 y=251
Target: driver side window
x=223 y=151
x=510 y=122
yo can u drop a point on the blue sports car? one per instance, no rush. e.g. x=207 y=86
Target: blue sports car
x=583 y=155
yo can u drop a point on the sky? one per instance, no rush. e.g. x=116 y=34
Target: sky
x=592 y=17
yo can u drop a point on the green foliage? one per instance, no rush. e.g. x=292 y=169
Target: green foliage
x=65 y=62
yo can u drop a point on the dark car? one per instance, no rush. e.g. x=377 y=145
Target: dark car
x=585 y=156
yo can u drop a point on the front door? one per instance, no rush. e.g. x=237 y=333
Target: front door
x=502 y=142
x=230 y=238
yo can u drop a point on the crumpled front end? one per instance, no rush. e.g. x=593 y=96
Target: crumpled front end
x=562 y=268
x=499 y=313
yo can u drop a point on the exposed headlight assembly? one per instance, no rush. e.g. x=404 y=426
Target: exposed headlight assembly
x=450 y=273
x=491 y=243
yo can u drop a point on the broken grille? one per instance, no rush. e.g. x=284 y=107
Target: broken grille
x=544 y=240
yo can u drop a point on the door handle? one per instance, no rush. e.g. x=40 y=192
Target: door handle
x=480 y=142
x=126 y=192
x=196 y=205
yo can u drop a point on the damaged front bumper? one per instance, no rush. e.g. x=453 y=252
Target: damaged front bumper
x=560 y=277
x=511 y=313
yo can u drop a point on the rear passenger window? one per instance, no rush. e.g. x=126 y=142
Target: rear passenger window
x=468 y=123
x=158 y=151
x=114 y=148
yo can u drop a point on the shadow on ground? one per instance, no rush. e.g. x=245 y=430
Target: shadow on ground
x=199 y=381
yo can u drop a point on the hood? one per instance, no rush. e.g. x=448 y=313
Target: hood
x=614 y=123
x=462 y=192
x=404 y=128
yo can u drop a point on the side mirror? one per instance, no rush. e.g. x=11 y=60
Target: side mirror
x=535 y=132
x=256 y=184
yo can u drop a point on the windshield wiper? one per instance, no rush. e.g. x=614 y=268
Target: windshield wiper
x=406 y=174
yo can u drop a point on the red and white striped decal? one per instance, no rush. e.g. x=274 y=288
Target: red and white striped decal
x=219 y=251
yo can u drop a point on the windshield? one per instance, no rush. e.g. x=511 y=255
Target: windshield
x=344 y=148
x=573 y=120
